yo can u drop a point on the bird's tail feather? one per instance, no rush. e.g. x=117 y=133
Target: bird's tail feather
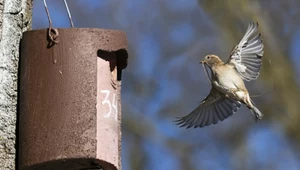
x=254 y=110
x=256 y=113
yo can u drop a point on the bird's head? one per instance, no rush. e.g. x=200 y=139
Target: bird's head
x=211 y=60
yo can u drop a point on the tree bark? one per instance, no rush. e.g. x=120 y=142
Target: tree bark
x=15 y=18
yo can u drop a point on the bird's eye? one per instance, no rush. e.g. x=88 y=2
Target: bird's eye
x=208 y=57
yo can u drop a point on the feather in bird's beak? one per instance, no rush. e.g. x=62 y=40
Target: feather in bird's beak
x=204 y=65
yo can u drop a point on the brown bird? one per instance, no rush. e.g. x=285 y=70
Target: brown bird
x=228 y=89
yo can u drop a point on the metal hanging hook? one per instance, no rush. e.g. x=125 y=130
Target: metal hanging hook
x=52 y=33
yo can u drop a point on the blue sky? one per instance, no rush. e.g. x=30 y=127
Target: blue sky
x=266 y=142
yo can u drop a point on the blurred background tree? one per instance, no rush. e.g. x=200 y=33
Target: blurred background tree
x=163 y=80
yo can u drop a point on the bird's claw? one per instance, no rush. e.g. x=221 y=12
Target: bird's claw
x=231 y=93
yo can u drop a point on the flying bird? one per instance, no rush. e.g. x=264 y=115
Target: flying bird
x=228 y=90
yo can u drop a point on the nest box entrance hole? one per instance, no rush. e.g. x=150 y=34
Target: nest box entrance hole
x=117 y=61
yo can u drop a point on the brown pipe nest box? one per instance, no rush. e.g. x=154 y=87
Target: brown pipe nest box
x=70 y=99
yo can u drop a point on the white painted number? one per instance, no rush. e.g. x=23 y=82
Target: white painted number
x=105 y=101
x=112 y=106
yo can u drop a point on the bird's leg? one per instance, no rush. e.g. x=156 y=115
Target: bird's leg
x=231 y=93
x=227 y=96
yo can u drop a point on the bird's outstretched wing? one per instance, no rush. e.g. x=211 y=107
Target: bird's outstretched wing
x=246 y=57
x=214 y=108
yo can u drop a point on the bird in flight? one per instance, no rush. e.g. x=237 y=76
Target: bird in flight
x=228 y=90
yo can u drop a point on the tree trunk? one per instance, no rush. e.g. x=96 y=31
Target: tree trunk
x=15 y=18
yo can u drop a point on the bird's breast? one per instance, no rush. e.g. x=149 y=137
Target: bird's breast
x=228 y=78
